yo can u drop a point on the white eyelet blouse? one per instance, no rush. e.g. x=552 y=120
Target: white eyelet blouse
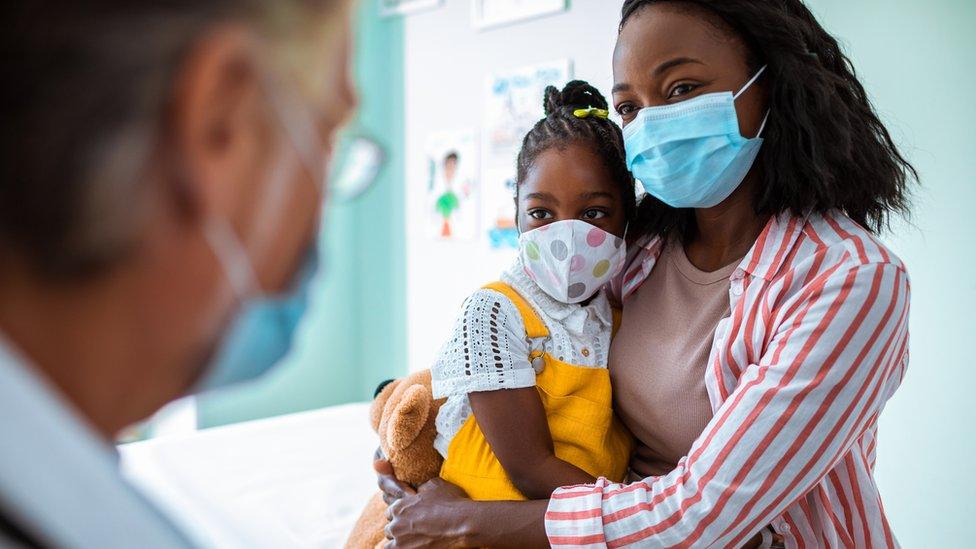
x=489 y=349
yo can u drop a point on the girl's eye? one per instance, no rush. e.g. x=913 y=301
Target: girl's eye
x=591 y=215
x=539 y=214
x=681 y=89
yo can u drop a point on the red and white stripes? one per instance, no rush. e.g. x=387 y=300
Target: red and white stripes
x=816 y=343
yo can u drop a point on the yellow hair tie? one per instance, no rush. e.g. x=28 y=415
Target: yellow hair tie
x=591 y=111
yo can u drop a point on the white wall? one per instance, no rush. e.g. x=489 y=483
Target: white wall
x=917 y=60
x=447 y=65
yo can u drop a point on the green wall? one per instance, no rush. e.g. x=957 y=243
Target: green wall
x=354 y=334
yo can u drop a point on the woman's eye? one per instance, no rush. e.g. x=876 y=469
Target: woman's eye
x=625 y=109
x=590 y=215
x=539 y=214
x=681 y=89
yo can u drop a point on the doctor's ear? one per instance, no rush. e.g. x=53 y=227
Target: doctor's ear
x=220 y=123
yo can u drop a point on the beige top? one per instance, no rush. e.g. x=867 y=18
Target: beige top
x=659 y=356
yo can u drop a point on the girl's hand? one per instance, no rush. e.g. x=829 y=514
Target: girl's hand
x=433 y=516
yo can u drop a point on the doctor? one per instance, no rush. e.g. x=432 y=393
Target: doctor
x=161 y=191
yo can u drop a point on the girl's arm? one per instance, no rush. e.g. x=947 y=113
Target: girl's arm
x=514 y=424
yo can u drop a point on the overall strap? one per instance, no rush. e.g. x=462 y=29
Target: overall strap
x=617 y=317
x=534 y=326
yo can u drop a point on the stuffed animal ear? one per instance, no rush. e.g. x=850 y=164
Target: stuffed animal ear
x=409 y=417
x=379 y=403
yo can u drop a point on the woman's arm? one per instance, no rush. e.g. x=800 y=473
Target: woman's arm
x=837 y=355
x=440 y=515
x=514 y=424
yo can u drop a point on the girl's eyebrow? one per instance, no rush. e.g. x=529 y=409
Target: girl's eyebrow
x=598 y=194
x=545 y=197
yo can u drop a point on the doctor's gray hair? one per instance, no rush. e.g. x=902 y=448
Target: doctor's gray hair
x=85 y=96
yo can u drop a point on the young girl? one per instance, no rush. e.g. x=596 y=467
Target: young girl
x=528 y=406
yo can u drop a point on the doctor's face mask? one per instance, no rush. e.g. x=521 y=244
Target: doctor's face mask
x=262 y=331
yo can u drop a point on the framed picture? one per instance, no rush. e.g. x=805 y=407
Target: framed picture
x=452 y=189
x=493 y=13
x=513 y=106
x=402 y=7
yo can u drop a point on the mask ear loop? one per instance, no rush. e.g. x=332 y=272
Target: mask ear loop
x=746 y=87
x=749 y=83
x=232 y=258
x=299 y=130
x=763 y=125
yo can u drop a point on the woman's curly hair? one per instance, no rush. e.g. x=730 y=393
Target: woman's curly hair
x=825 y=147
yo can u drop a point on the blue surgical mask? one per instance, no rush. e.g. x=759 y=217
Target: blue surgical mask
x=691 y=154
x=261 y=333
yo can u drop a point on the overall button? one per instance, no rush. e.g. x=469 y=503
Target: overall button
x=585 y=351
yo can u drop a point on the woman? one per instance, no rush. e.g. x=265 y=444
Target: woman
x=162 y=170
x=764 y=327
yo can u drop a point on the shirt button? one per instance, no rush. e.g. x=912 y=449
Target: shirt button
x=784 y=527
x=585 y=351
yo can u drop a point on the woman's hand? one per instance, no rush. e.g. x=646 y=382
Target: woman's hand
x=391 y=488
x=432 y=516
x=440 y=514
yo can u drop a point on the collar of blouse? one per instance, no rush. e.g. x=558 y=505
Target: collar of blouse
x=572 y=316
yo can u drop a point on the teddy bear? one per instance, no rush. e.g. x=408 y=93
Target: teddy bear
x=403 y=414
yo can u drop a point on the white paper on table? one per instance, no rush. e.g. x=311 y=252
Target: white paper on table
x=293 y=481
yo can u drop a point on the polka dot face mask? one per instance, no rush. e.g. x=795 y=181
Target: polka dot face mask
x=570 y=260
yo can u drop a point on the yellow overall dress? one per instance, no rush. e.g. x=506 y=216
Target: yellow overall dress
x=579 y=407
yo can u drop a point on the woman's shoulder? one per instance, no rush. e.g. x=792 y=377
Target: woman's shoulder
x=835 y=239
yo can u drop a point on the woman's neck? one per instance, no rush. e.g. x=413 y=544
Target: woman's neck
x=724 y=233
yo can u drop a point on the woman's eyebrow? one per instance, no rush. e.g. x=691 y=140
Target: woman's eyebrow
x=667 y=65
x=660 y=69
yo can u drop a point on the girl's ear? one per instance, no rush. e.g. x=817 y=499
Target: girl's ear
x=409 y=417
x=379 y=403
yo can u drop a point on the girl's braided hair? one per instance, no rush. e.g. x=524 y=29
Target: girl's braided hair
x=561 y=128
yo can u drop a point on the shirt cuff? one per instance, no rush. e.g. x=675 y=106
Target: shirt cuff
x=575 y=516
x=511 y=379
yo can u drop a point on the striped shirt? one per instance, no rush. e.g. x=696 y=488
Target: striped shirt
x=816 y=343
